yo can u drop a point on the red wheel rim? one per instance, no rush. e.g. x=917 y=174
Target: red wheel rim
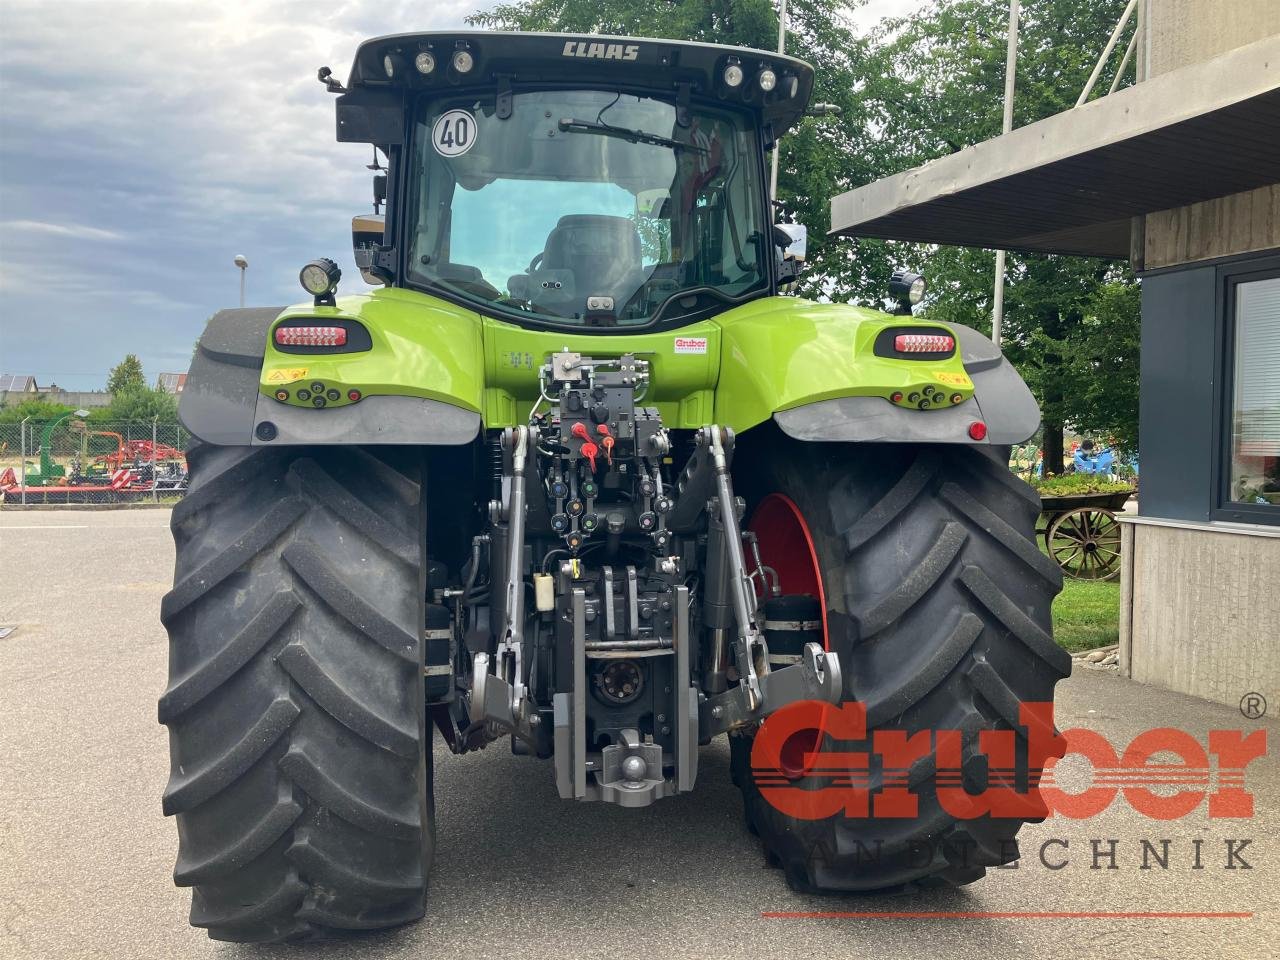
x=786 y=545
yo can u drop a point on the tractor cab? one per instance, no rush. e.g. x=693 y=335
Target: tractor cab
x=554 y=181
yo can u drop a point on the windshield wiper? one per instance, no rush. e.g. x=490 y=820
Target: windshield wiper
x=622 y=133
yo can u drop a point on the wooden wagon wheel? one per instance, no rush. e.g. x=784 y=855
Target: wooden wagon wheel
x=1085 y=543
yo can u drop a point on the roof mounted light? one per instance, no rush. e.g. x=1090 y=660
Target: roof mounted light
x=767 y=80
x=463 y=61
x=907 y=287
x=389 y=66
x=320 y=278
x=733 y=75
x=424 y=62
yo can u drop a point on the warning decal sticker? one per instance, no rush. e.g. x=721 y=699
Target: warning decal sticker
x=954 y=379
x=286 y=374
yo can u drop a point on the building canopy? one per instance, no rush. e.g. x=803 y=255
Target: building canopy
x=1071 y=183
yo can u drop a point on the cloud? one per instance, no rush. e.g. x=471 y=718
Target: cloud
x=75 y=230
x=183 y=133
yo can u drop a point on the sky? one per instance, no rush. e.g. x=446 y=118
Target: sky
x=143 y=145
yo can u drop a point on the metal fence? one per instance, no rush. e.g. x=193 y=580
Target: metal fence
x=71 y=461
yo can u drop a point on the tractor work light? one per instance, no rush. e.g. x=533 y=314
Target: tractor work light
x=311 y=336
x=320 y=278
x=767 y=80
x=733 y=76
x=424 y=62
x=463 y=61
x=389 y=66
x=923 y=343
x=907 y=287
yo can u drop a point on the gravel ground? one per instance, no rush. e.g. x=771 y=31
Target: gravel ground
x=85 y=855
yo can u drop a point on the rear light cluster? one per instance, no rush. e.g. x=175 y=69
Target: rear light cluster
x=311 y=336
x=923 y=343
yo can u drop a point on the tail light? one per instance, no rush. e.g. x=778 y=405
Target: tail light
x=923 y=343
x=914 y=342
x=311 y=336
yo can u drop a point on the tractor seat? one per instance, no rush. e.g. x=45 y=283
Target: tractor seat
x=601 y=253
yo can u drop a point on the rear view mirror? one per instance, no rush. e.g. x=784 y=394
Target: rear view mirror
x=793 y=238
x=371 y=116
x=792 y=242
x=366 y=238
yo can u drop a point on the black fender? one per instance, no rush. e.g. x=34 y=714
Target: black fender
x=1000 y=399
x=221 y=403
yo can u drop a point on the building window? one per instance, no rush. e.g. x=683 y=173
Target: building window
x=1253 y=424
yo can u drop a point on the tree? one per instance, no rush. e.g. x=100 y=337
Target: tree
x=34 y=408
x=140 y=403
x=1071 y=324
x=126 y=375
x=1106 y=368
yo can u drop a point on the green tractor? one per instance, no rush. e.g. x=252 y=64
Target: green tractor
x=577 y=478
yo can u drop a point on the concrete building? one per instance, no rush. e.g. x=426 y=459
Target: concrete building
x=14 y=389
x=1181 y=175
x=91 y=399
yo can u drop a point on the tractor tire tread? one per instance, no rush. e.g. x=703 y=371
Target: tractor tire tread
x=301 y=769
x=939 y=606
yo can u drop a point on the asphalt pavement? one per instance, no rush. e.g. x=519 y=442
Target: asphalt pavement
x=86 y=856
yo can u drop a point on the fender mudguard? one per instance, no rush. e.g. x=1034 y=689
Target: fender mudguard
x=222 y=404
x=1001 y=400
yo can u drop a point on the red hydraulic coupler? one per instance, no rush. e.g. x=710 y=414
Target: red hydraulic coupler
x=603 y=430
x=589 y=449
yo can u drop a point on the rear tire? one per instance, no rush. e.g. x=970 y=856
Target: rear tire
x=301 y=760
x=939 y=606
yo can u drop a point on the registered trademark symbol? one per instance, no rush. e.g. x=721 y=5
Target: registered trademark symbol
x=1253 y=706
